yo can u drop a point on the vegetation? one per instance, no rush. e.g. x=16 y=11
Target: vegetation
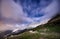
x=50 y=30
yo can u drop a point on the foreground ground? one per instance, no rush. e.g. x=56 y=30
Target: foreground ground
x=47 y=31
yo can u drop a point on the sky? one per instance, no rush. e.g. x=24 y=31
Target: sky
x=27 y=14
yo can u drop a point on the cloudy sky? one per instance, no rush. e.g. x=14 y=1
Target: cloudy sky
x=28 y=13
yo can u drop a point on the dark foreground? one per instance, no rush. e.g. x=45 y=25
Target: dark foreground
x=50 y=30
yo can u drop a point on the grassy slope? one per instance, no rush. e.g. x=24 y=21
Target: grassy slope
x=47 y=31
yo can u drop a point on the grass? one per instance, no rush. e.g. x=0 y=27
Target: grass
x=50 y=30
